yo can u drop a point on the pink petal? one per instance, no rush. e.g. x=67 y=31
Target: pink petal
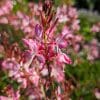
x=63 y=58
x=30 y=44
x=41 y=58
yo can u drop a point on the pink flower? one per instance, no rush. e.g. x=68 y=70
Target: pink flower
x=59 y=93
x=97 y=93
x=34 y=50
x=38 y=30
x=72 y=13
x=5 y=98
x=65 y=31
x=32 y=45
x=34 y=78
x=58 y=74
x=11 y=94
x=25 y=21
x=95 y=28
x=6 y=8
x=75 y=25
x=4 y=20
x=40 y=58
x=43 y=61
x=63 y=58
x=63 y=44
x=10 y=64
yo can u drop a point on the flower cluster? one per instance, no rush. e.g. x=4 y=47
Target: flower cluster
x=5 y=7
x=41 y=65
x=96 y=28
x=68 y=15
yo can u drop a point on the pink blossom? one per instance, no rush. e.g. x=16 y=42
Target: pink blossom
x=63 y=58
x=34 y=79
x=72 y=12
x=6 y=8
x=10 y=64
x=58 y=92
x=63 y=44
x=38 y=30
x=5 y=98
x=32 y=45
x=57 y=72
x=75 y=25
x=4 y=20
x=42 y=61
x=93 y=50
x=12 y=95
x=97 y=93
x=96 y=27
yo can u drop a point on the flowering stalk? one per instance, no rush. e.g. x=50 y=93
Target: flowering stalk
x=43 y=63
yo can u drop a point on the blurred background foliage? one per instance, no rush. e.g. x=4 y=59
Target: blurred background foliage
x=87 y=4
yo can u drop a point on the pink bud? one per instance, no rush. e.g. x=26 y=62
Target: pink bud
x=38 y=30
